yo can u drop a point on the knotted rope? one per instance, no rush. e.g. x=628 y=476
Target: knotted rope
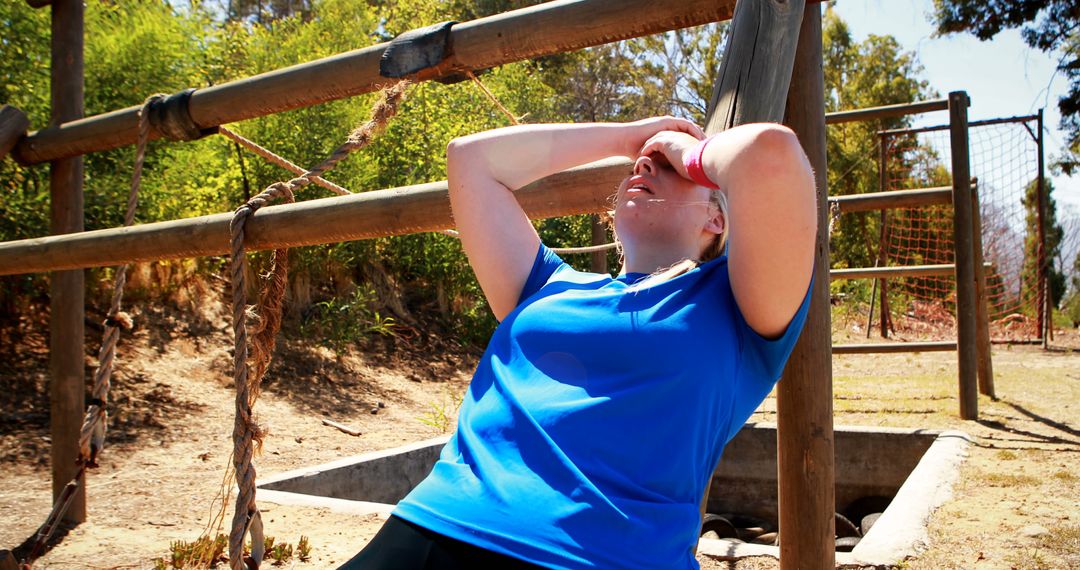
x=247 y=435
x=92 y=432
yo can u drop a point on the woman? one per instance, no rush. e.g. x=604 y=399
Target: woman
x=597 y=414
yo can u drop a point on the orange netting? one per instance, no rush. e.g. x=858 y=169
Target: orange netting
x=1004 y=166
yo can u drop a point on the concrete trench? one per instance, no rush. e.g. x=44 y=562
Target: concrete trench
x=915 y=468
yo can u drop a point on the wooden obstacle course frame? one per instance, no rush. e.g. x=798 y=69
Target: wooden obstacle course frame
x=975 y=371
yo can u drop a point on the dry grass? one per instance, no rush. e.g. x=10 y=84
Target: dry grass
x=1019 y=474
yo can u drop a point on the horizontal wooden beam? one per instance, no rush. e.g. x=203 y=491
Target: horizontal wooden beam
x=894 y=347
x=943 y=270
x=398 y=211
x=886 y=111
x=893 y=199
x=545 y=29
x=13 y=125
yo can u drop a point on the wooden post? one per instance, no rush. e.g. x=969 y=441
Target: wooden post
x=883 y=235
x=982 y=320
x=67 y=382
x=755 y=72
x=966 y=351
x=1046 y=314
x=804 y=394
x=13 y=125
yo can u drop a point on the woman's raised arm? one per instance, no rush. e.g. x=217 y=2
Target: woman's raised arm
x=773 y=210
x=484 y=169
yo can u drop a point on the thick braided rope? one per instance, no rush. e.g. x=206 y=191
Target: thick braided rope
x=246 y=433
x=279 y=160
x=92 y=434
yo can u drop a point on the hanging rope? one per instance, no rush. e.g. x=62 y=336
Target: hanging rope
x=247 y=435
x=92 y=432
x=92 y=435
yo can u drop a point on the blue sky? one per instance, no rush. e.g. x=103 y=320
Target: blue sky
x=1003 y=77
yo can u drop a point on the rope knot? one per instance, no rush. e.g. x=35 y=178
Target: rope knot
x=119 y=319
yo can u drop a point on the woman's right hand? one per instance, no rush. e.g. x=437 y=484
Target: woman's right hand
x=638 y=133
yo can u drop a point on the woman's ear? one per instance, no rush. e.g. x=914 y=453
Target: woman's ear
x=716 y=223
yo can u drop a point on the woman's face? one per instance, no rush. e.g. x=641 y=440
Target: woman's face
x=655 y=203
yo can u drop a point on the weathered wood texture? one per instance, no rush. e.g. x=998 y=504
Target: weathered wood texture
x=13 y=125
x=753 y=82
x=894 y=347
x=397 y=211
x=941 y=270
x=887 y=111
x=965 y=262
x=545 y=29
x=893 y=199
x=755 y=72
x=982 y=319
x=67 y=382
x=804 y=395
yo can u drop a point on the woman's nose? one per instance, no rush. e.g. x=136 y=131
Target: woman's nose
x=644 y=164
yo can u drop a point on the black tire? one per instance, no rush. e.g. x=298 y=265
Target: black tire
x=868 y=522
x=720 y=525
x=847 y=543
x=845 y=528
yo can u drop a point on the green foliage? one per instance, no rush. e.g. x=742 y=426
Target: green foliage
x=134 y=49
x=870 y=73
x=1051 y=26
x=440 y=415
x=206 y=552
x=339 y=322
x=1051 y=249
x=303 y=549
x=199 y=553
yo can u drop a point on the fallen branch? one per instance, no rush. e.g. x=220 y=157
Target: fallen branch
x=341 y=427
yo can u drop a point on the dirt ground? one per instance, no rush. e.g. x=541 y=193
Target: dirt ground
x=1017 y=504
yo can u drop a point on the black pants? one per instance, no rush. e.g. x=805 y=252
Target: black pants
x=402 y=545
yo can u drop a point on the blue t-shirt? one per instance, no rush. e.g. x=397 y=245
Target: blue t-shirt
x=596 y=416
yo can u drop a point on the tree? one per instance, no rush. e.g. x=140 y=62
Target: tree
x=1046 y=25
x=1029 y=277
x=870 y=73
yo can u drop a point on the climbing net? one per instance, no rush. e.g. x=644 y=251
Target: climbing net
x=1004 y=158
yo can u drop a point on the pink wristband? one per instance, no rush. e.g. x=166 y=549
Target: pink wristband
x=694 y=168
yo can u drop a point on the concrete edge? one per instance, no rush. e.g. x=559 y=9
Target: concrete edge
x=861 y=429
x=727 y=550
x=901 y=530
x=346 y=461
x=335 y=505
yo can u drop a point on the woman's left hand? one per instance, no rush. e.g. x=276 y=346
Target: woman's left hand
x=673 y=146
